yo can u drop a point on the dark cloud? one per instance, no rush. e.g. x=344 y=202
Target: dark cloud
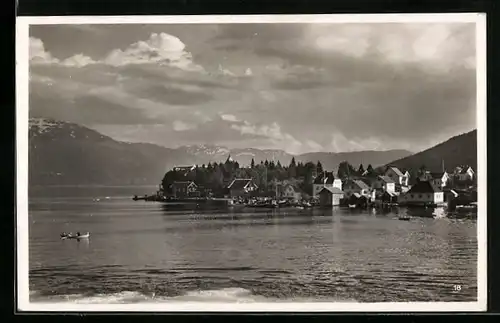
x=297 y=84
x=169 y=95
x=46 y=101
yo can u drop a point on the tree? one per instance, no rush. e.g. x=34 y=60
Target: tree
x=421 y=170
x=369 y=169
x=252 y=163
x=319 y=167
x=345 y=170
x=278 y=164
x=266 y=163
x=309 y=168
x=292 y=169
x=361 y=169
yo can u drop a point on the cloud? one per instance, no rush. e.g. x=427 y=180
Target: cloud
x=78 y=60
x=163 y=49
x=436 y=47
x=172 y=94
x=298 y=87
x=271 y=132
x=160 y=49
x=229 y=117
x=38 y=54
x=182 y=126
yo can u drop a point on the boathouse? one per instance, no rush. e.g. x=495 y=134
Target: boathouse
x=326 y=179
x=388 y=197
x=330 y=196
x=422 y=193
x=384 y=183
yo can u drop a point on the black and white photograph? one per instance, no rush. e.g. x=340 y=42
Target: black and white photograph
x=251 y=163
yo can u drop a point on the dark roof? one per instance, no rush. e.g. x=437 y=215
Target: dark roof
x=361 y=184
x=396 y=170
x=239 y=183
x=464 y=170
x=330 y=178
x=386 y=179
x=368 y=181
x=332 y=190
x=182 y=184
x=422 y=187
x=436 y=174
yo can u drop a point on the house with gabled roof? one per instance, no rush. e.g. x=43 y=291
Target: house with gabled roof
x=326 y=179
x=422 y=193
x=184 y=188
x=397 y=175
x=464 y=173
x=356 y=186
x=242 y=187
x=290 y=192
x=438 y=179
x=330 y=196
x=384 y=183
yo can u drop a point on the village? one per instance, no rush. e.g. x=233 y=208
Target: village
x=271 y=185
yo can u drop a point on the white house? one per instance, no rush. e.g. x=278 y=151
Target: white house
x=326 y=179
x=384 y=183
x=397 y=176
x=289 y=191
x=438 y=179
x=422 y=193
x=355 y=186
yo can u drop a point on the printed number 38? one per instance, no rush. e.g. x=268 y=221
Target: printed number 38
x=457 y=288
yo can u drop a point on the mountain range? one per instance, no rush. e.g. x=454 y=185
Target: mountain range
x=63 y=153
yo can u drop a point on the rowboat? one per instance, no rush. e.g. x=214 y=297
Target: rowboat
x=71 y=236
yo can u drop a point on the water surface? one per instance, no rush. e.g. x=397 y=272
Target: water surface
x=143 y=251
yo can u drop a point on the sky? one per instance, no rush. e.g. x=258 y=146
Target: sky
x=299 y=87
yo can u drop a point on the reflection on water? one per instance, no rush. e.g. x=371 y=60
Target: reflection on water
x=143 y=249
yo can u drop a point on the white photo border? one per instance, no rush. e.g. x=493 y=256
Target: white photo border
x=22 y=113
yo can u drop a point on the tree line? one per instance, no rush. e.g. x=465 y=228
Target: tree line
x=266 y=174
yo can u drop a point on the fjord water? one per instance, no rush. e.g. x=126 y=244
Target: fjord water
x=146 y=252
